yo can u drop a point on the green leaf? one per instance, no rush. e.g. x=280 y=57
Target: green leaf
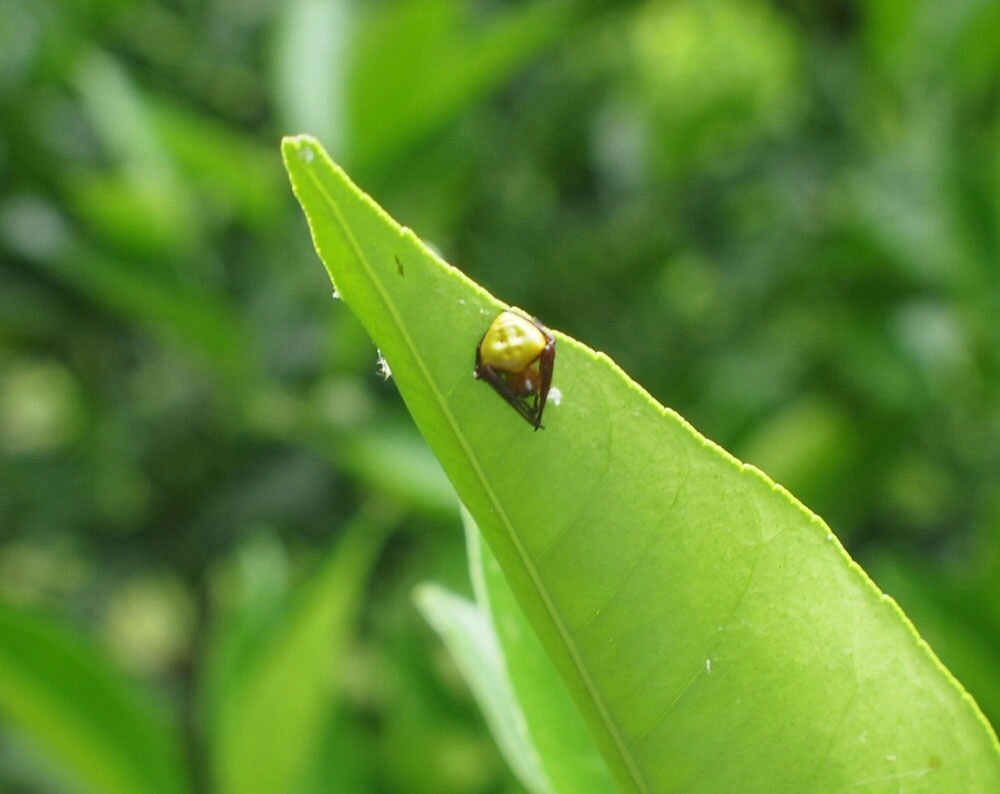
x=270 y=701
x=196 y=320
x=533 y=719
x=953 y=618
x=468 y=633
x=397 y=94
x=712 y=630
x=238 y=173
x=72 y=703
x=567 y=753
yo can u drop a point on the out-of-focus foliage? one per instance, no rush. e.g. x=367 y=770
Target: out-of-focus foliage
x=782 y=219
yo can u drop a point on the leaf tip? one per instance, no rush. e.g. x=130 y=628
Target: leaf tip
x=304 y=147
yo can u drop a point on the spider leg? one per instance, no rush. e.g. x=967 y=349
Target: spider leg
x=501 y=387
x=546 y=364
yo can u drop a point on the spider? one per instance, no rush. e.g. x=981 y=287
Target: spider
x=506 y=359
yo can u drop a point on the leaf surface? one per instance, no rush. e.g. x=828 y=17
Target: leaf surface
x=567 y=752
x=711 y=629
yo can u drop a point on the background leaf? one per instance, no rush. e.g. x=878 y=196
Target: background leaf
x=419 y=92
x=696 y=611
x=272 y=693
x=74 y=705
x=468 y=633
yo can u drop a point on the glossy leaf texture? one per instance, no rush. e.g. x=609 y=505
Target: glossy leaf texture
x=712 y=630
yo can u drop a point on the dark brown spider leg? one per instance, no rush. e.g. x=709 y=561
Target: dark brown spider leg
x=546 y=364
x=501 y=387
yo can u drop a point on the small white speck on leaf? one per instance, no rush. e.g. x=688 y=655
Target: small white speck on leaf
x=307 y=154
x=336 y=294
x=383 y=367
x=555 y=396
x=708 y=665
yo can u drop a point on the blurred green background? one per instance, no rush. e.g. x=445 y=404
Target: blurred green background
x=781 y=218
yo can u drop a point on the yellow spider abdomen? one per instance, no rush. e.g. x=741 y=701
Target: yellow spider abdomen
x=512 y=343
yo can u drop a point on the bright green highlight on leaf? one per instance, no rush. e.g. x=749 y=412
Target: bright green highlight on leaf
x=712 y=631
